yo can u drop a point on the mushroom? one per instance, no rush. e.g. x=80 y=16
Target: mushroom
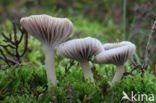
x=50 y=31
x=82 y=50
x=118 y=54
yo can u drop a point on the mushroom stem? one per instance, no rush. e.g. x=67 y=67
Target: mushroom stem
x=86 y=67
x=119 y=73
x=50 y=67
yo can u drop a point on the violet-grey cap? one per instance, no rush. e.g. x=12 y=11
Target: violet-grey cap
x=49 y=30
x=115 y=53
x=80 y=49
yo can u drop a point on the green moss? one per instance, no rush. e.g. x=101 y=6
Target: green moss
x=25 y=83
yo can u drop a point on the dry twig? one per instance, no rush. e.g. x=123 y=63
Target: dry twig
x=143 y=66
x=12 y=45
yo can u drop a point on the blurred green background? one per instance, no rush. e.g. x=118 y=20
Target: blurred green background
x=106 y=20
x=109 y=21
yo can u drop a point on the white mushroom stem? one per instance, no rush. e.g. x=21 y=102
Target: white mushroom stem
x=86 y=67
x=50 y=67
x=119 y=73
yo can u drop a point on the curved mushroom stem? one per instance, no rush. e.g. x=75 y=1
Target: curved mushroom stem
x=118 y=74
x=86 y=67
x=50 y=67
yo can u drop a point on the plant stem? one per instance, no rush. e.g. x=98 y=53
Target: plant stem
x=50 y=67
x=86 y=67
x=118 y=74
x=124 y=20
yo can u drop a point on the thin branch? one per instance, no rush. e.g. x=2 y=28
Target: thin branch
x=15 y=33
x=25 y=45
x=143 y=66
x=4 y=57
x=8 y=45
x=10 y=37
x=5 y=48
x=9 y=60
x=5 y=37
x=13 y=43
x=21 y=37
x=147 y=46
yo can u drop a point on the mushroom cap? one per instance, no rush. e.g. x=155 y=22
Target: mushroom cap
x=49 y=30
x=80 y=49
x=115 y=53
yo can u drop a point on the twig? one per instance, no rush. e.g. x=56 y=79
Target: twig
x=147 y=46
x=8 y=45
x=4 y=57
x=25 y=44
x=9 y=60
x=6 y=38
x=143 y=66
x=12 y=45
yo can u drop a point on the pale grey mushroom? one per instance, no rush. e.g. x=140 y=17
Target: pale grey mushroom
x=82 y=50
x=118 y=54
x=51 y=31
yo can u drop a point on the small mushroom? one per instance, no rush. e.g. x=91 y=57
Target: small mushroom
x=82 y=50
x=118 y=54
x=51 y=31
